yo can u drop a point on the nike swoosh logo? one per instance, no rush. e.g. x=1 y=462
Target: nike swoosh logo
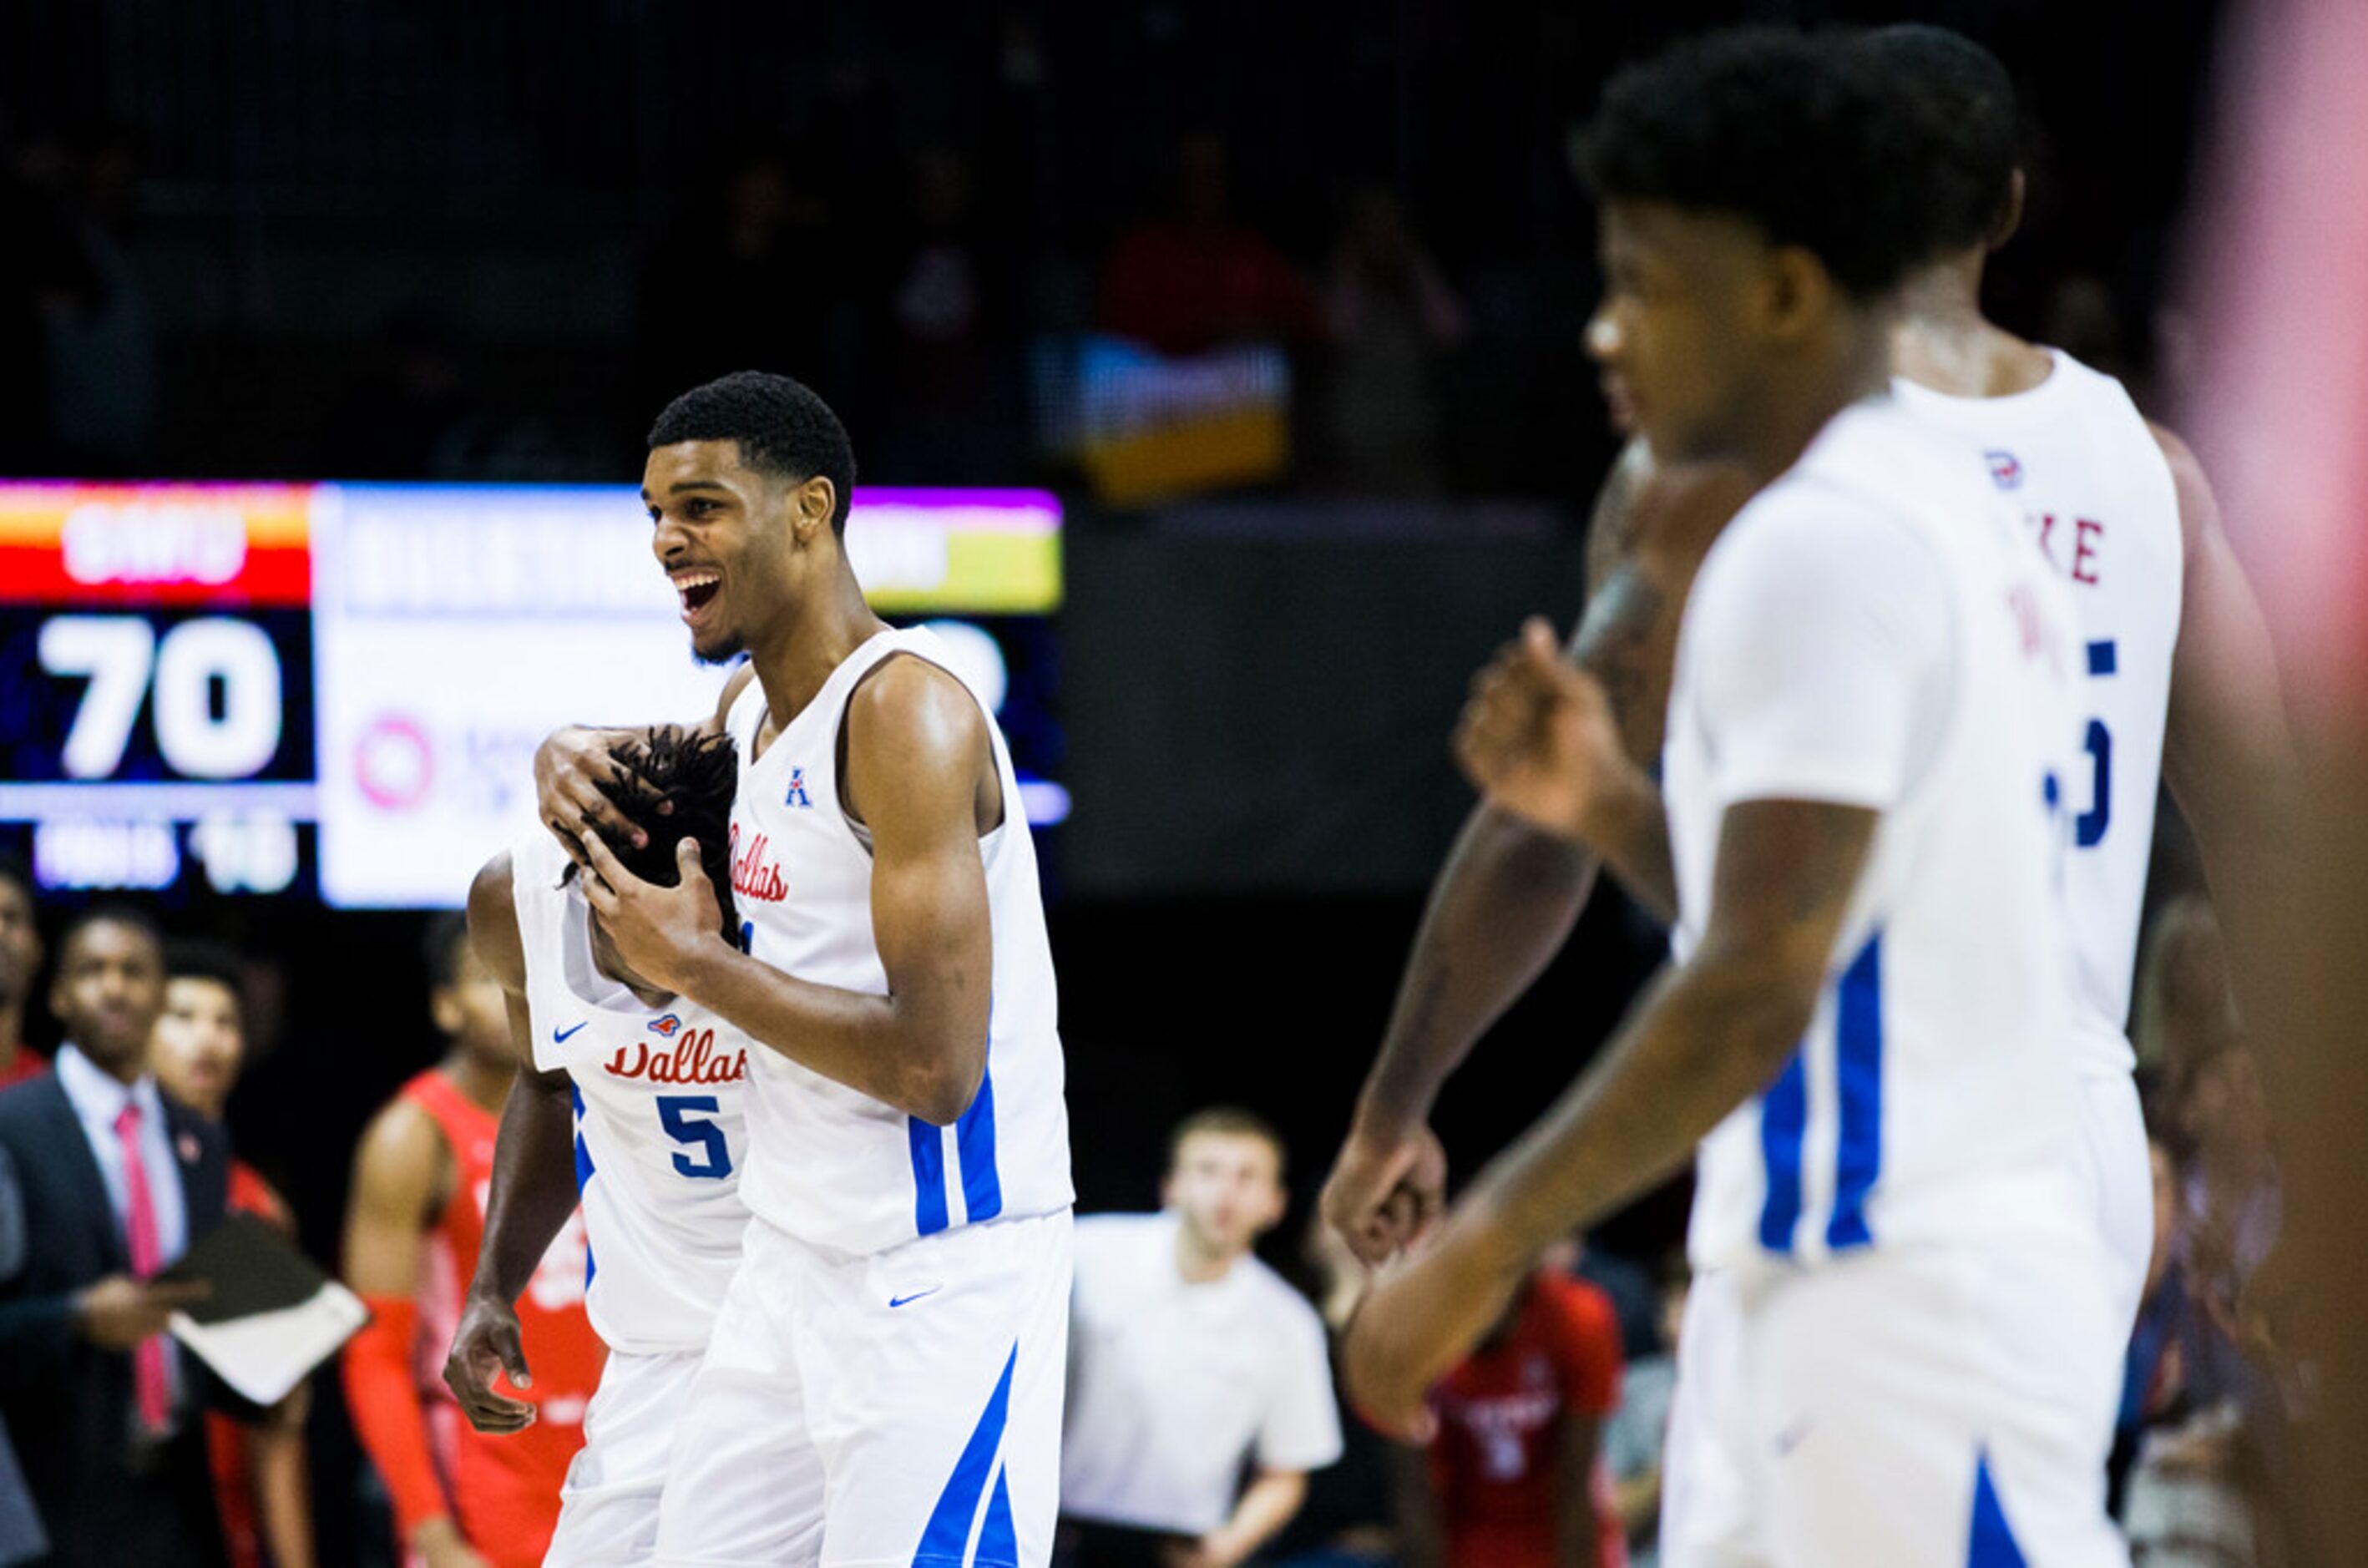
x=895 y=1301
x=559 y=1036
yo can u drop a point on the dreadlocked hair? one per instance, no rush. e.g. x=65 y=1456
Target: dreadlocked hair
x=693 y=773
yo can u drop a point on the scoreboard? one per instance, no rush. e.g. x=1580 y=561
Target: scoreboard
x=339 y=688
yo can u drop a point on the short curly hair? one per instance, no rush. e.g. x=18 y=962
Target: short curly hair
x=783 y=427
x=1797 y=136
x=693 y=773
x=1980 y=123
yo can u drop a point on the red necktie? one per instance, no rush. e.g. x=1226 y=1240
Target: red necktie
x=148 y=1382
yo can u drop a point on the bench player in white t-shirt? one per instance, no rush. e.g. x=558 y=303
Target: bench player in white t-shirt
x=1872 y=721
x=885 y=1380
x=630 y=1101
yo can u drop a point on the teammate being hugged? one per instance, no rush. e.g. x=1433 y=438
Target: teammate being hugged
x=1870 y=731
x=413 y=1229
x=884 y=1381
x=630 y=1095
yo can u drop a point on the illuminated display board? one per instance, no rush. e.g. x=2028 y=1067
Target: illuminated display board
x=237 y=674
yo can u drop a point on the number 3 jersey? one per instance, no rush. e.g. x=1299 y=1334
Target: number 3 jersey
x=2076 y=457
x=658 y=1121
x=829 y=1164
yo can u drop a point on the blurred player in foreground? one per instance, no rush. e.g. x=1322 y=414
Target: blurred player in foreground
x=1869 y=728
x=413 y=1229
x=21 y=965
x=629 y=1096
x=885 y=1380
x=263 y=1481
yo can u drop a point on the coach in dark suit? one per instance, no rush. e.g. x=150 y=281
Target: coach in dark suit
x=115 y=1181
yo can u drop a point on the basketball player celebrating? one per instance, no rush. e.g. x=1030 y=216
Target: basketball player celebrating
x=412 y=1228
x=885 y=1379
x=630 y=1096
x=1870 y=720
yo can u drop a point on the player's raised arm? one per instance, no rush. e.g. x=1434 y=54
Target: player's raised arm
x=573 y=764
x=534 y=1187
x=920 y=776
x=1703 y=1040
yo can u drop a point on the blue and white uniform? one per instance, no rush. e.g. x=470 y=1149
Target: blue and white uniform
x=1911 y=1372
x=2077 y=458
x=885 y=1383
x=659 y=1144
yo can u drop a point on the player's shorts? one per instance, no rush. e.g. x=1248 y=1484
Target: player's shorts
x=609 y=1508
x=898 y=1408
x=2116 y=1176
x=1927 y=1408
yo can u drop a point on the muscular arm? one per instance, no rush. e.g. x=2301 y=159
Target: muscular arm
x=918 y=764
x=2226 y=753
x=1578 y=1531
x=1702 y=1040
x=401 y=1176
x=534 y=1155
x=1509 y=893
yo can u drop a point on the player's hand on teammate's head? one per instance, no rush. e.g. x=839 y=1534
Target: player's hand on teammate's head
x=1537 y=733
x=659 y=932
x=569 y=768
x=1384 y=1193
x=486 y=1346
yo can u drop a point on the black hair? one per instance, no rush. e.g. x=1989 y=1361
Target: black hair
x=12 y=869
x=1979 y=123
x=783 y=429
x=111 y=911
x=444 y=947
x=694 y=773
x=1796 y=135
x=187 y=960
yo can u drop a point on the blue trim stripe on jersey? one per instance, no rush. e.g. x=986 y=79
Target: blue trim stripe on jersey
x=975 y=1145
x=582 y=1177
x=998 y=1538
x=1993 y=1544
x=946 y=1539
x=1783 y=1117
x=1858 y=1064
x=929 y=1176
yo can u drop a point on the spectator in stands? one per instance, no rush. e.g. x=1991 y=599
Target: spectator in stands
x=116 y=1181
x=415 y=413
x=21 y=1536
x=749 y=276
x=262 y=1484
x=1391 y=320
x=2185 y=1011
x=1637 y=1437
x=1200 y=278
x=97 y=331
x=1191 y=1360
x=943 y=316
x=1516 y=1475
x=21 y=965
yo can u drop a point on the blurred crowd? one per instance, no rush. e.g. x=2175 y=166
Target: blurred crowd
x=1204 y=1423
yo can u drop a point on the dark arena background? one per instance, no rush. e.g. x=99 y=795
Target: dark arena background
x=330 y=333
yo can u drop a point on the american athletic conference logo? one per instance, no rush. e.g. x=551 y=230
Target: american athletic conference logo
x=796 y=794
x=2005 y=469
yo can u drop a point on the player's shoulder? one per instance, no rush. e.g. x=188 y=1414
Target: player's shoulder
x=403 y=1149
x=493 y=925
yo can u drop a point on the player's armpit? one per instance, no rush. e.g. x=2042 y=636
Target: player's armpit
x=493 y=924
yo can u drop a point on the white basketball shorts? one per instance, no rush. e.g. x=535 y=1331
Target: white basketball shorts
x=608 y=1507
x=1930 y=1407
x=903 y=1407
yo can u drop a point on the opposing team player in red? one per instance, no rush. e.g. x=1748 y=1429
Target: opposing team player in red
x=629 y=1099
x=1516 y=1471
x=413 y=1230
x=263 y=1485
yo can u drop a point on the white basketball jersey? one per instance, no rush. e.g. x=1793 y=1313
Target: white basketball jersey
x=658 y=1121
x=1880 y=589
x=829 y=1164
x=2075 y=456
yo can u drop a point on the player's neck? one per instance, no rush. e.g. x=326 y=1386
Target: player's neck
x=1804 y=399
x=793 y=666
x=1197 y=1264
x=1943 y=342
x=606 y=960
x=484 y=1085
